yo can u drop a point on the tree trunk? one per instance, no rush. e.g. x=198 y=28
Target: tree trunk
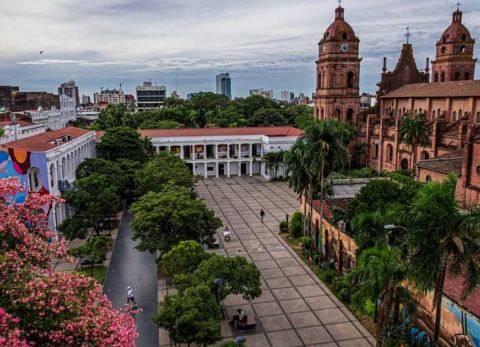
x=384 y=318
x=320 y=249
x=310 y=221
x=438 y=298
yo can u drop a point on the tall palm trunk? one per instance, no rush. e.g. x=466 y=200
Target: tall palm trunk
x=384 y=318
x=320 y=249
x=310 y=224
x=438 y=298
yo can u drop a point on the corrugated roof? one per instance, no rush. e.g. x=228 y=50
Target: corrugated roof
x=447 y=163
x=45 y=141
x=267 y=131
x=329 y=205
x=443 y=89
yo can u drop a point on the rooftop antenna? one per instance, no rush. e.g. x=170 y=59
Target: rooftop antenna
x=408 y=35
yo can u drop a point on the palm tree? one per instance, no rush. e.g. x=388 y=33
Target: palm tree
x=378 y=278
x=273 y=160
x=414 y=132
x=314 y=156
x=442 y=238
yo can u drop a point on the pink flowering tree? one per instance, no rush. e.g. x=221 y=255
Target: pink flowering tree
x=37 y=305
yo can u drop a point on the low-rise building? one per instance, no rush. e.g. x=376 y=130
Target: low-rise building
x=267 y=94
x=46 y=164
x=16 y=129
x=109 y=96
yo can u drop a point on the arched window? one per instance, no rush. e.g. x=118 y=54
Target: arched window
x=420 y=110
x=434 y=115
x=345 y=36
x=443 y=50
x=442 y=77
x=454 y=116
x=439 y=113
x=351 y=80
x=424 y=155
x=319 y=81
x=376 y=150
x=477 y=119
x=390 y=153
x=399 y=112
x=467 y=75
x=464 y=37
x=350 y=115
x=444 y=40
x=404 y=164
x=460 y=114
x=322 y=113
x=463 y=49
x=428 y=179
x=337 y=113
x=435 y=77
x=52 y=175
x=456 y=77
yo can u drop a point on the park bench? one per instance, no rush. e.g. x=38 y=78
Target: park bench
x=88 y=262
x=249 y=323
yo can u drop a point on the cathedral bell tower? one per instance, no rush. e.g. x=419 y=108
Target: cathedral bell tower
x=454 y=59
x=338 y=72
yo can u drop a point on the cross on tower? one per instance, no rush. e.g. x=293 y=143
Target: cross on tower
x=458 y=6
x=340 y=2
x=408 y=34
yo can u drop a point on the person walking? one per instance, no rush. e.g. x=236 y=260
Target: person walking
x=262 y=214
x=130 y=297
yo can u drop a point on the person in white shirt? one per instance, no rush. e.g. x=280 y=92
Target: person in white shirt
x=130 y=297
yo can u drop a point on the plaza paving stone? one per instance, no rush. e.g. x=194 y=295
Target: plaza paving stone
x=296 y=308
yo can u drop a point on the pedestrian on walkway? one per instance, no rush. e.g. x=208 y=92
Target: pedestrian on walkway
x=262 y=214
x=130 y=297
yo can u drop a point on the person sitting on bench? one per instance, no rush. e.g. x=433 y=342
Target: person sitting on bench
x=239 y=317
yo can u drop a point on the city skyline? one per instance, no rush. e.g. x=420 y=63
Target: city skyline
x=270 y=45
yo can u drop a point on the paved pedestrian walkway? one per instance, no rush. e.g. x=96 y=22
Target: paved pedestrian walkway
x=296 y=308
x=130 y=267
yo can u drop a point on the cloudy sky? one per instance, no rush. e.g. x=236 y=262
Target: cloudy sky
x=262 y=43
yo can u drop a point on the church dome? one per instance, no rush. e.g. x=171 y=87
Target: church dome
x=339 y=30
x=456 y=32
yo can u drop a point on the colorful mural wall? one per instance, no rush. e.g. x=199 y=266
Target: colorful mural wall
x=16 y=163
x=470 y=324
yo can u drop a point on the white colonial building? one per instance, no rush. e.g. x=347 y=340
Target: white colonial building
x=214 y=152
x=46 y=163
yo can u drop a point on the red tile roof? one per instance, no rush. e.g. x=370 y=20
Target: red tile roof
x=329 y=205
x=6 y=120
x=271 y=131
x=45 y=141
x=453 y=289
x=444 y=89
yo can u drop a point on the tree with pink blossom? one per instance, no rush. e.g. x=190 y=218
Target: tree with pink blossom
x=37 y=305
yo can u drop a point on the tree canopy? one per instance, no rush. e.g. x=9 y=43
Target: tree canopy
x=184 y=258
x=165 y=168
x=165 y=218
x=123 y=143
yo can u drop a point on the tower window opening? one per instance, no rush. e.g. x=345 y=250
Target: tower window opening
x=443 y=50
x=444 y=39
x=463 y=49
x=351 y=80
x=456 y=77
x=442 y=77
x=467 y=75
x=464 y=37
x=345 y=36
x=435 y=77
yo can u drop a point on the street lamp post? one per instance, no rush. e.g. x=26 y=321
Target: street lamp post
x=218 y=283
x=390 y=228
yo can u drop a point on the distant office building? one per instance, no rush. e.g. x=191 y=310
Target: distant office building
x=150 y=97
x=71 y=90
x=367 y=101
x=267 y=94
x=175 y=95
x=68 y=109
x=109 y=96
x=224 y=85
x=25 y=101
x=86 y=100
x=287 y=96
x=6 y=96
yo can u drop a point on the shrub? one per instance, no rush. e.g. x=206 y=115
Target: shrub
x=231 y=344
x=284 y=227
x=328 y=276
x=296 y=225
x=369 y=308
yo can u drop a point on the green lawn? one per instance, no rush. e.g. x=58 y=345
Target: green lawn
x=99 y=273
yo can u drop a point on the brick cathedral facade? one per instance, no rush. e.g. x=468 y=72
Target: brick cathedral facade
x=449 y=98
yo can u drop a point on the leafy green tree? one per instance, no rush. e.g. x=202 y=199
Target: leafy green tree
x=414 y=132
x=164 y=219
x=2 y=132
x=442 y=238
x=239 y=276
x=273 y=160
x=204 y=103
x=379 y=276
x=248 y=106
x=267 y=117
x=94 y=250
x=192 y=316
x=165 y=168
x=227 y=117
x=129 y=169
x=94 y=199
x=123 y=143
x=296 y=225
x=184 y=258
x=111 y=117
x=160 y=124
x=74 y=228
x=104 y=167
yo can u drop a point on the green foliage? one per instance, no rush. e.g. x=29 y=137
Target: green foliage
x=97 y=272
x=283 y=227
x=413 y=130
x=100 y=166
x=231 y=344
x=240 y=277
x=368 y=308
x=184 y=258
x=328 y=276
x=364 y=172
x=111 y=117
x=95 y=251
x=165 y=168
x=273 y=160
x=73 y=228
x=165 y=218
x=159 y=124
x=123 y=143
x=296 y=225
x=94 y=200
x=2 y=132
x=192 y=316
